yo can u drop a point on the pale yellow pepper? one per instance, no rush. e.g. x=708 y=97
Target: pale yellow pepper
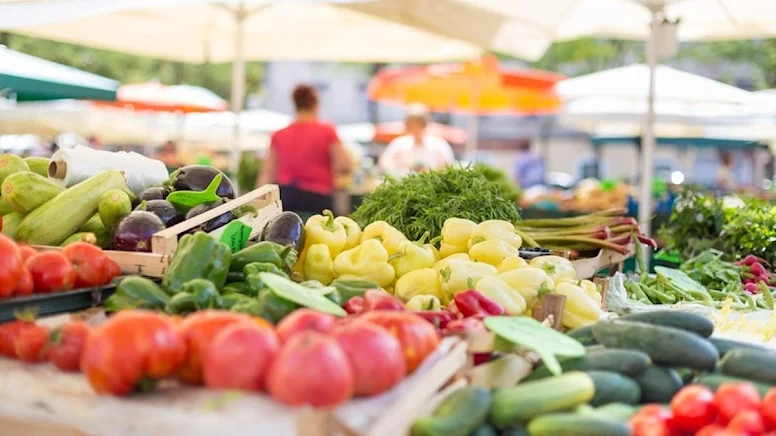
x=352 y=230
x=492 y=252
x=495 y=229
x=556 y=267
x=385 y=234
x=579 y=306
x=455 y=236
x=423 y=281
x=413 y=255
x=368 y=261
x=322 y=229
x=420 y=303
x=459 y=275
x=510 y=263
x=500 y=292
x=530 y=282
x=318 y=264
x=592 y=290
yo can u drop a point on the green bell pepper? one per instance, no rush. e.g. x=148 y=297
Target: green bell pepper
x=234 y=276
x=205 y=294
x=230 y=300
x=198 y=256
x=274 y=308
x=136 y=293
x=349 y=288
x=181 y=303
x=265 y=252
x=332 y=294
x=253 y=279
x=235 y=288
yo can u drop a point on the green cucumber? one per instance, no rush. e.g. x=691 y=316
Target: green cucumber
x=95 y=226
x=626 y=362
x=584 y=335
x=615 y=411
x=664 y=345
x=87 y=237
x=757 y=365
x=11 y=164
x=658 y=384
x=25 y=192
x=38 y=165
x=528 y=400
x=714 y=381
x=484 y=430
x=686 y=374
x=611 y=387
x=460 y=413
x=691 y=322
x=572 y=424
x=11 y=224
x=725 y=345
x=112 y=207
x=518 y=430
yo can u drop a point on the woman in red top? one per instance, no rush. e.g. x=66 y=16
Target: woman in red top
x=304 y=158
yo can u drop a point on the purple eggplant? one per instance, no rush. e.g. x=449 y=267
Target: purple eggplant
x=198 y=177
x=221 y=220
x=154 y=193
x=164 y=210
x=135 y=230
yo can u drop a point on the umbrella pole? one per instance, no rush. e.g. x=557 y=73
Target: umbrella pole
x=648 y=142
x=238 y=84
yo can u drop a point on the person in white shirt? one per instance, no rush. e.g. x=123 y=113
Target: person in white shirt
x=416 y=151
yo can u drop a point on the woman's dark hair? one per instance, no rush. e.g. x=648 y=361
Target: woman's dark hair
x=305 y=97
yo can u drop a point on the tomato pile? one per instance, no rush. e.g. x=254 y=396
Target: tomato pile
x=24 y=271
x=735 y=409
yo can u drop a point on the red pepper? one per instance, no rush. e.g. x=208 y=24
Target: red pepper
x=354 y=306
x=465 y=325
x=473 y=303
x=440 y=318
x=380 y=300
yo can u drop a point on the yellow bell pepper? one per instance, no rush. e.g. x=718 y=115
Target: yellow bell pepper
x=423 y=281
x=455 y=235
x=511 y=263
x=318 y=264
x=500 y=292
x=492 y=251
x=592 y=290
x=579 y=306
x=385 y=234
x=352 y=230
x=528 y=282
x=458 y=275
x=413 y=255
x=421 y=303
x=495 y=229
x=368 y=261
x=556 y=267
x=322 y=229
x=572 y=321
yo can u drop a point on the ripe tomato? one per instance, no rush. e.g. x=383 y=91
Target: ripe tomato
x=693 y=407
x=304 y=319
x=30 y=343
x=295 y=380
x=733 y=398
x=130 y=347
x=768 y=408
x=112 y=270
x=8 y=333
x=710 y=430
x=27 y=252
x=418 y=338
x=51 y=271
x=375 y=356
x=651 y=420
x=66 y=345
x=10 y=266
x=749 y=422
x=198 y=331
x=251 y=345
x=25 y=285
x=88 y=262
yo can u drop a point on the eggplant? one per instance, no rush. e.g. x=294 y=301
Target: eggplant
x=221 y=220
x=164 y=210
x=285 y=229
x=135 y=230
x=154 y=193
x=198 y=177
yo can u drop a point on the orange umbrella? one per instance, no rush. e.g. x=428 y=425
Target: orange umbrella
x=387 y=132
x=163 y=98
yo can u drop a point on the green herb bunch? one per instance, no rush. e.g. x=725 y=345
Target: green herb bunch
x=695 y=224
x=422 y=202
x=751 y=230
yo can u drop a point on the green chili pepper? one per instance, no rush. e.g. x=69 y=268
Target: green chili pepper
x=249 y=306
x=136 y=293
x=274 y=308
x=260 y=267
x=230 y=300
x=265 y=252
x=205 y=294
x=348 y=288
x=235 y=288
x=181 y=303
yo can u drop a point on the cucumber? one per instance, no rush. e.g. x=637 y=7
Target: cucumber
x=63 y=215
x=667 y=346
x=726 y=345
x=571 y=424
x=460 y=413
x=95 y=226
x=626 y=362
x=11 y=164
x=658 y=384
x=528 y=400
x=686 y=374
x=80 y=237
x=38 y=165
x=714 y=381
x=584 y=335
x=615 y=411
x=519 y=430
x=113 y=206
x=757 y=365
x=611 y=387
x=484 y=430
x=25 y=192
x=11 y=224
x=691 y=322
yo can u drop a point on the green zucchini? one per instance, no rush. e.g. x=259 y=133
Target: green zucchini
x=726 y=345
x=584 y=335
x=60 y=217
x=25 y=192
x=4 y=209
x=658 y=384
x=664 y=345
x=757 y=365
x=460 y=413
x=615 y=411
x=38 y=165
x=691 y=322
x=11 y=224
x=572 y=424
x=112 y=207
x=611 y=387
x=87 y=237
x=95 y=226
x=626 y=362
x=11 y=164
x=528 y=400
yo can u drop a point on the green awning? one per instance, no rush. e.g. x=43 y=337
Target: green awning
x=34 y=79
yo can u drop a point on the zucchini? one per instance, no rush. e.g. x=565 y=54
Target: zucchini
x=625 y=362
x=25 y=192
x=725 y=345
x=519 y=404
x=572 y=424
x=95 y=226
x=584 y=335
x=87 y=237
x=757 y=365
x=714 y=381
x=664 y=345
x=112 y=207
x=691 y=322
x=615 y=411
x=11 y=224
x=462 y=411
x=38 y=165
x=63 y=215
x=658 y=384
x=611 y=387
x=4 y=209
x=11 y=164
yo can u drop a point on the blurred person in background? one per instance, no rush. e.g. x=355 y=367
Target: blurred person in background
x=529 y=166
x=305 y=157
x=417 y=150
x=169 y=155
x=726 y=179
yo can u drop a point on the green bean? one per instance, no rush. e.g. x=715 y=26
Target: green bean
x=768 y=297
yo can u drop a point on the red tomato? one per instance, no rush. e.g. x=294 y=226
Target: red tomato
x=252 y=345
x=295 y=380
x=375 y=356
x=112 y=270
x=51 y=272
x=198 y=331
x=693 y=407
x=377 y=299
x=27 y=252
x=749 y=422
x=131 y=347
x=710 y=430
x=732 y=398
x=11 y=266
x=651 y=420
x=768 y=408
x=304 y=319
x=30 y=343
x=89 y=264
x=66 y=345
x=418 y=338
x=25 y=285
x=8 y=333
